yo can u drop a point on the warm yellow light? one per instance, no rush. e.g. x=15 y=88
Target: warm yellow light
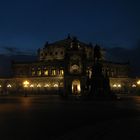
x=0 y=86
x=134 y=86
x=76 y=87
x=31 y=85
x=39 y=72
x=55 y=85
x=26 y=83
x=53 y=72
x=9 y=86
x=119 y=85
x=61 y=72
x=46 y=85
x=39 y=85
x=114 y=85
x=79 y=88
x=46 y=72
x=138 y=82
x=33 y=73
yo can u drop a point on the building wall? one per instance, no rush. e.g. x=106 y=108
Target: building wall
x=61 y=63
x=116 y=70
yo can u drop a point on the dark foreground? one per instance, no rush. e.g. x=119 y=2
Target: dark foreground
x=51 y=118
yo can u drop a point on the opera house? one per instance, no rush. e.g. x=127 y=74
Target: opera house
x=63 y=67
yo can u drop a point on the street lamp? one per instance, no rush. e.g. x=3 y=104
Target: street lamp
x=138 y=82
x=25 y=85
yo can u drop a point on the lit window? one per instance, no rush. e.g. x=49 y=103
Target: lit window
x=61 y=72
x=89 y=73
x=53 y=72
x=33 y=73
x=46 y=72
x=39 y=72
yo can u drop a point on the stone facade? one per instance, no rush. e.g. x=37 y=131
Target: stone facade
x=63 y=66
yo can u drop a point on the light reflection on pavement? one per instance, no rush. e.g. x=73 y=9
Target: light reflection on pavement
x=50 y=117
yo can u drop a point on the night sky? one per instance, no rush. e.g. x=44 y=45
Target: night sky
x=25 y=25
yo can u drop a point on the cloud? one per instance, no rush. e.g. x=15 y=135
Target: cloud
x=11 y=50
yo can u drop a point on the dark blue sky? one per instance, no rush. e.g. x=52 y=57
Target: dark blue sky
x=27 y=24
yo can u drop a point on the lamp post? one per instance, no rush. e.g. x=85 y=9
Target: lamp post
x=138 y=87
x=25 y=85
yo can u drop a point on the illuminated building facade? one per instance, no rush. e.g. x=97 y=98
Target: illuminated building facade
x=63 y=67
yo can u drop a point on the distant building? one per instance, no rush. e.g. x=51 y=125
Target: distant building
x=63 y=67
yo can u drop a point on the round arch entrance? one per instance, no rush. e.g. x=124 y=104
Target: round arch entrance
x=76 y=87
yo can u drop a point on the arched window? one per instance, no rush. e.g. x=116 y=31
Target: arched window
x=39 y=72
x=46 y=72
x=53 y=72
x=33 y=72
x=61 y=72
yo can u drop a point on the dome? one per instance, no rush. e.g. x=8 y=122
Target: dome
x=58 y=49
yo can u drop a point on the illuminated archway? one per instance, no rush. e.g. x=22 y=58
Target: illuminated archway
x=76 y=87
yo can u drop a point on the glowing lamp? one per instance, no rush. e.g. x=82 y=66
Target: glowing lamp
x=134 y=86
x=9 y=86
x=119 y=85
x=39 y=85
x=26 y=83
x=138 y=82
x=47 y=85
x=55 y=85
x=32 y=85
x=114 y=85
